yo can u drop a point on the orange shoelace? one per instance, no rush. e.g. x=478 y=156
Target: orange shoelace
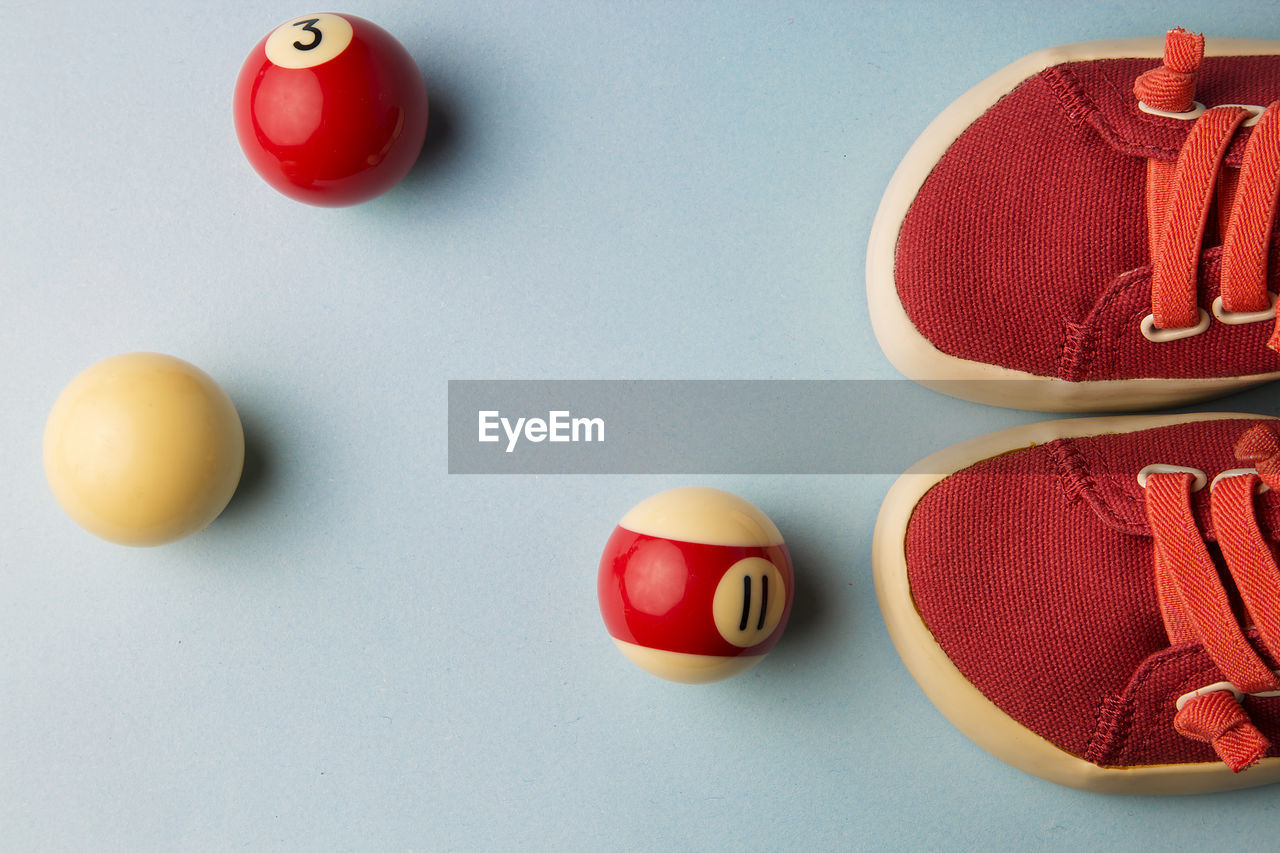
x=1182 y=193
x=1193 y=600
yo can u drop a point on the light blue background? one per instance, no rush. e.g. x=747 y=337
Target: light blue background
x=366 y=653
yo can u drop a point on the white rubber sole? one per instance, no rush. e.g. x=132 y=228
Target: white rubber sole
x=916 y=358
x=953 y=694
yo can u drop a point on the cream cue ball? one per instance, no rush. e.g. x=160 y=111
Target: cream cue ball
x=143 y=449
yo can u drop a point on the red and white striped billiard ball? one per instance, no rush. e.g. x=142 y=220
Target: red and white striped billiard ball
x=695 y=585
x=330 y=109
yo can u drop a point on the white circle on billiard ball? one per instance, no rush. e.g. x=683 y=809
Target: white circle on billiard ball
x=704 y=515
x=748 y=602
x=308 y=41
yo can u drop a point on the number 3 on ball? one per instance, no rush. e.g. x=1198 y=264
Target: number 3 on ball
x=309 y=41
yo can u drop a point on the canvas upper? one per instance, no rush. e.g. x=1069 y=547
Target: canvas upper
x=1027 y=246
x=1032 y=573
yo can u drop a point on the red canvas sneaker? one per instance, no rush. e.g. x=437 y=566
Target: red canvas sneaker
x=1096 y=601
x=1095 y=222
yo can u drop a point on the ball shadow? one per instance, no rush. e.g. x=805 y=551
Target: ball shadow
x=818 y=603
x=256 y=476
x=440 y=144
x=811 y=611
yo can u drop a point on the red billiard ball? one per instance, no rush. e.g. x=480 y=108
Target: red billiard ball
x=695 y=585
x=330 y=109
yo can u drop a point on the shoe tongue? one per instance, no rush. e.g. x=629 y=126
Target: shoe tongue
x=1100 y=93
x=1102 y=471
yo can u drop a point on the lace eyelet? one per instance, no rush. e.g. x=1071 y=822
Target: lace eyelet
x=1239 y=472
x=1255 y=112
x=1160 y=336
x=1201 y=479
x=1225 y=687
x=1197 y=110
x=1237 y=318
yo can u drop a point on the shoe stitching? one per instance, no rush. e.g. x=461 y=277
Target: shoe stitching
x=1071 y=93
x=1072 y=471
x=1119 y=508
x=1077 y=350
x=1096 y=329
x=1124 y=96
x=1078 y=483
x=1091 y=326
x=1107 y=720
x=1116 y=712
x=1076 y=103
x=1113 y=724
x=1080 y=106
